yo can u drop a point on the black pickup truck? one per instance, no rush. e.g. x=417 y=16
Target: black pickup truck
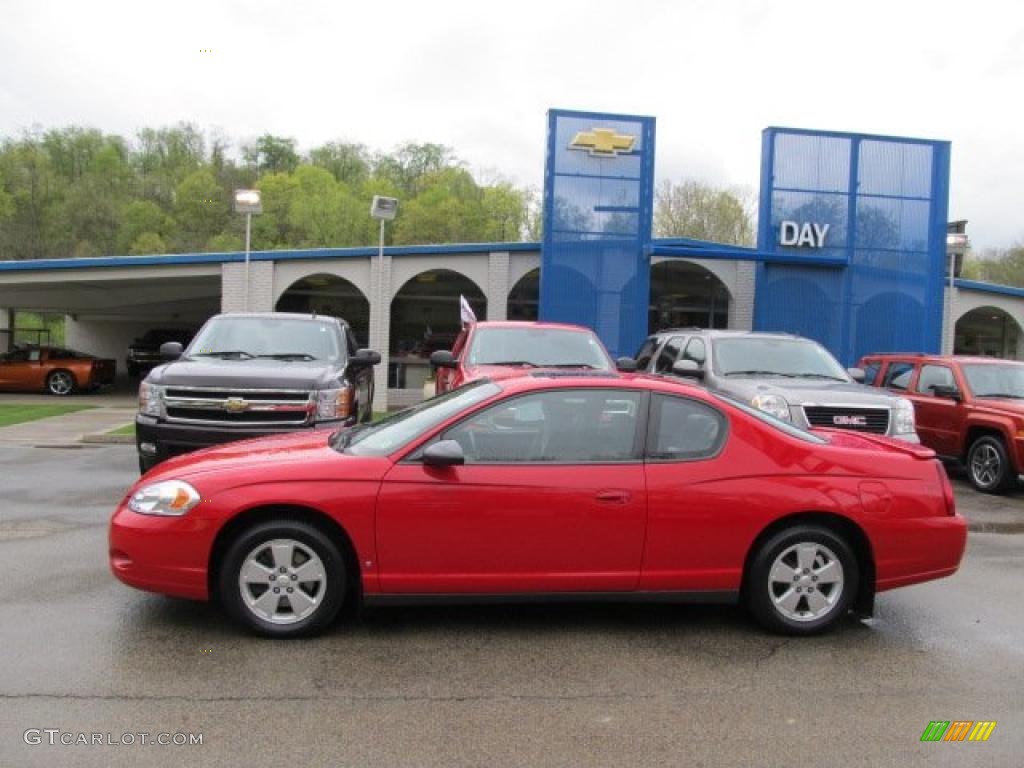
x=253 y=374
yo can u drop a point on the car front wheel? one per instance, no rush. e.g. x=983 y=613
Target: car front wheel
x=60 y=383
x=988 y=465
x=283 y=579
x=802 y=580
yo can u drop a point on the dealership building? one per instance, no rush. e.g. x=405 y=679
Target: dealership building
x=852 y=250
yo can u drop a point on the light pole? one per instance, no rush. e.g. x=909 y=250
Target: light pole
x=383 y=209
x=247 y=201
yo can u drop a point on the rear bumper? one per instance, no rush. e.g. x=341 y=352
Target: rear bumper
x=923 y=549
x=164 y=440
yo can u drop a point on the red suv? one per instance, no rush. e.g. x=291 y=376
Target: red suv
x=500 y=349
x=969 y=409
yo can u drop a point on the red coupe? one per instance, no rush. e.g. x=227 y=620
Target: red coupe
x=569 y=485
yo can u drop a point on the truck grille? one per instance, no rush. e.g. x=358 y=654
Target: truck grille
x=241 y=407
x=846 y=417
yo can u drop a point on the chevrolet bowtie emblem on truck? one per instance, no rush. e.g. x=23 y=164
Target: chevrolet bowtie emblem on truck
x=603 y=142
x=236 y=405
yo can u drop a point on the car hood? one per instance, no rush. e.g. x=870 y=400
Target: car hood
x=289 y=457
x=256 y=373
x=807 y=391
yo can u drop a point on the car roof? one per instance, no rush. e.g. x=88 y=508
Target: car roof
x=563 y=379
x=925 y=357
x=530 y=324
x=284 y=316
x=727 y=332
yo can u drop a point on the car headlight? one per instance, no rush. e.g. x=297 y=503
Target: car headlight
x=170 y=497
x=151 y=399
x=334 y=403
x=775 y=405
x=903 y=417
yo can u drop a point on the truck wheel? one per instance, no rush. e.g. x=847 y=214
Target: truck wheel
x=989 y=465
x=60 y=383
x=802 y=581
x=283 y=578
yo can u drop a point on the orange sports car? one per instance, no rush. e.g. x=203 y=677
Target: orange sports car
x=53 y=369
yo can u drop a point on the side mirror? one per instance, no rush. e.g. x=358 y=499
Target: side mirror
x=444 y=453
x=366 y=357
x=626 y=364
x=171 y=350
x=687 y=369
x=857 y=374
x=443 y=358
x=943 y=390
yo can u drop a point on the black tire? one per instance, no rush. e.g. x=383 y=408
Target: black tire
x=328 y=602
x=989 y=466
x=761 y=590
x=60 y=383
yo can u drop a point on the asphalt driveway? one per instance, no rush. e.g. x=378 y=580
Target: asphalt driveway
x=578 y=685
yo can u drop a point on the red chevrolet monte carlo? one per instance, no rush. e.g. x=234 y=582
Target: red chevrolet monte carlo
x=625 y=487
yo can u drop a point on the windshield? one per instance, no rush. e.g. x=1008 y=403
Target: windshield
x=540 y=347
x=772 y=421
x=995 y=380
x=390 y=434
x=243 y=337
x=763 y=356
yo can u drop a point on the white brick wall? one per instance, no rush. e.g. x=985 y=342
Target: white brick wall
x=6 y=324
x=741 y=308
x=104 y=338
x=497 y=287
x=261 y=287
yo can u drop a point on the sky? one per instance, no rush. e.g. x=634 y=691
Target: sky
x=480 y=76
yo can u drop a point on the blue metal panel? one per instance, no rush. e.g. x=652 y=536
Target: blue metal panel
x=885 y=200
x=598 y=208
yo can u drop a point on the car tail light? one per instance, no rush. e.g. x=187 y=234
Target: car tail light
x=947 y=488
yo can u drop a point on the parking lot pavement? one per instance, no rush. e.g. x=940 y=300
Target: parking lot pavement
x=68 y=429
x=579 y=685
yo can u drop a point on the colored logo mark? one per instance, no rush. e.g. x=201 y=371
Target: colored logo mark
x=603 y=142
x=958 y=730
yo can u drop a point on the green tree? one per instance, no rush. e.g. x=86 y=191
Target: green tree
x=323 y=211
x=505 y=210
x=348 y=163
x=138 y=217
x=449 y=210
x=271 y=154
x=995 y=265
x=146 y=244
x=201 y=210
x=701 y=211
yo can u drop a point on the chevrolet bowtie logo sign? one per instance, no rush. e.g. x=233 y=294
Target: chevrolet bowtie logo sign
x=603 y=142
x=236 y=405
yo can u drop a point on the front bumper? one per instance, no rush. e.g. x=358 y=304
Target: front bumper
x=161 y=554
x=157 y=440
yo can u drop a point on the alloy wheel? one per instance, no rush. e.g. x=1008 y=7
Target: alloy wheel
x=61 y=383
x=806 y=581
x=986 y=465
x=282 y=581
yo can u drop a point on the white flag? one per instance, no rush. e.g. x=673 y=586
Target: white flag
x=466 y=311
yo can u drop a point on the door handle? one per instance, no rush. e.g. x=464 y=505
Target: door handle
x=612 y=496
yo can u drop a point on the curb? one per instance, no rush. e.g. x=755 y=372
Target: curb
x=106 y=439
x=985 y=527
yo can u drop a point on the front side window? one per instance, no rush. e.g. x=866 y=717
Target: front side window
x=870 y=372
x=540 y=347
x=934 y=376
x=669 y=354
x=695 y=351
x=388 y=435
x=576 y=426
x=645 y=353
x=683 y=429
x=272 y=337
x=898 y=376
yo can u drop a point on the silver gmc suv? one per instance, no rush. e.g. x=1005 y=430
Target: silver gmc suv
x=790 y=377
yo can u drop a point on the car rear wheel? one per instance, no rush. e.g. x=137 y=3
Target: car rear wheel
x=802 y=580
x=988 y=465
x=60 y=383
x=283 y=579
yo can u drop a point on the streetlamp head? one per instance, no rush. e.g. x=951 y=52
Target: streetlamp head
x=384 y=208
x=248 y=201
